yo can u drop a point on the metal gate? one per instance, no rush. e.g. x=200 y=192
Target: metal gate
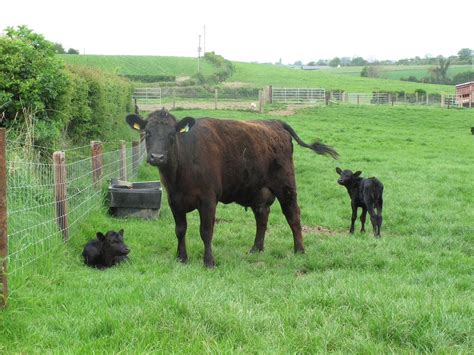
x=147 y=95
x=299 y=96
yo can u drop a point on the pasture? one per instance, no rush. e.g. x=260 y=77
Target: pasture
x=410 y=291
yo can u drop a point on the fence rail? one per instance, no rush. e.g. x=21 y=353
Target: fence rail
x=296 y=95
x=46 y=201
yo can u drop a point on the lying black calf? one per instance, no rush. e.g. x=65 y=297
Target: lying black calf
x=105 y=251
x=364 y=193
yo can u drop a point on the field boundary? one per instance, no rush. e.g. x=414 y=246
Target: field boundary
x=43 y=202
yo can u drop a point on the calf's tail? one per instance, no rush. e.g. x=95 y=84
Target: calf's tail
x=317 y=146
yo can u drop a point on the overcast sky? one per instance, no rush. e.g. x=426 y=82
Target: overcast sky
x=262 y=31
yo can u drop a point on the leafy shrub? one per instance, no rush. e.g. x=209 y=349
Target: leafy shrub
x=61 y=102
x=150 y=78
x=463 y=77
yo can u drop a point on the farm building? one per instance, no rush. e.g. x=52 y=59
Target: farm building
x=465 y=94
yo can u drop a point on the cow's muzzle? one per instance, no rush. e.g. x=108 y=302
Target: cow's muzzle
x=156 y=159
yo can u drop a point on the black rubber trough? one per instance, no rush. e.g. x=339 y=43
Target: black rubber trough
x=134 y=199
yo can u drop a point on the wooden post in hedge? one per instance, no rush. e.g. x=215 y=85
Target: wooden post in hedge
x=123 y=160
x=260 y=101
x=60 y=193
x=215 y=99
x=3 y=221
x=174 y=99
x=135 y=156
x=97 y=163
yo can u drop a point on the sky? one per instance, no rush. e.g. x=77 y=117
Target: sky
x=251 y=31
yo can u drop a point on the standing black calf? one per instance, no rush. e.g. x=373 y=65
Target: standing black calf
x=105 y=251
x=365 y=193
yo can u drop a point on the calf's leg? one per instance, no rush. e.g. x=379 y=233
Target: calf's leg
x=363 y=218
x=354 y=217
x=379 y=214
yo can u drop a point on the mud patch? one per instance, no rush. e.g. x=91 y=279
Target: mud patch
x=317 y=230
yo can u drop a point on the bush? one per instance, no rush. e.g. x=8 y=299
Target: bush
x=71 y=102
x=463 y=77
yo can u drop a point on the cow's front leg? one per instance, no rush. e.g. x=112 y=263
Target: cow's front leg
x=354 y=217
x=180 y=228
x=207 y=214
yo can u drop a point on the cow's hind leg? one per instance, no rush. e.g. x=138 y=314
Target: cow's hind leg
x=373 y=218
x=379 y=214
x=363 y=217
x=261 y=210
x=286 y=195
x=180 y=229
x=207 y=214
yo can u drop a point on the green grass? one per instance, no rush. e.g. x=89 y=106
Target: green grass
x=396 y=72
x=265 y=74
x=409 y=292
x=141 y=65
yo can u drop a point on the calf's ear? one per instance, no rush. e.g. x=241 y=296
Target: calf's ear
x=185 y=124
x=121 y=232
x=357 y=173
x=135 y=122
x=100 y=236
x=338 y=170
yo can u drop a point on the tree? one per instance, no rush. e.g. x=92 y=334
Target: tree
x=369 y=71
x=72 y=51
x=465 y=55
x=358 y=61
x=59 y=48
x=335 y=62
x=440 y=72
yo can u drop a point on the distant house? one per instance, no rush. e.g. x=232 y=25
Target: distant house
x=465 y=94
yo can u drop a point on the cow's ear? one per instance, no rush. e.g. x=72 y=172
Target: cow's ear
x=338 y=170
x=185 y=124
x=357 y=173
x=121 y=232
x=100 y=236
x=135 y=122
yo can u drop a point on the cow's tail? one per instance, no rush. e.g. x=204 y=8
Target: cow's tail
x=317 y=146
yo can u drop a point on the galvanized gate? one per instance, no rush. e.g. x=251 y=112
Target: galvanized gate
x=299 y=96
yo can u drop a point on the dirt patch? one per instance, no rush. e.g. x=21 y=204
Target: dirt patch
x=317 y=230
x=290 y=110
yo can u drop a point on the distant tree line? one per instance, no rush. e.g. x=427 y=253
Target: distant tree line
x=60 y=49
x=464 y=56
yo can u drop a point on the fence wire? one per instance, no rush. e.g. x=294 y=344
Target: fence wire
x=33 y=224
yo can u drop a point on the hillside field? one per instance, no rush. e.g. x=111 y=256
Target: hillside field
x=260 y=75
x=409 y=292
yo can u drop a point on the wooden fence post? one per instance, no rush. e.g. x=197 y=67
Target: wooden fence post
x=270 y=94
x=60 y=192
x=442 y=100
x=260 y=101
x=3 y=221
x=174 y=99
x=97 y=163
x=135 y=156
x=215 y=99
x=123 y=160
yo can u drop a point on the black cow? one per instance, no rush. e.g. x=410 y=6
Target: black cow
x=205 y=161
x=364 y=193
x=105 y=251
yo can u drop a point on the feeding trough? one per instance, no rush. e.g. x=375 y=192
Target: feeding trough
x=134 y=199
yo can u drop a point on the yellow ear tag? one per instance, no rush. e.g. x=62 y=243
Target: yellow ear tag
x=184 y=129
x=136 y=126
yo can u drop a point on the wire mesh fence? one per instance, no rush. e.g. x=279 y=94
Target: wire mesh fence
x=46 y=201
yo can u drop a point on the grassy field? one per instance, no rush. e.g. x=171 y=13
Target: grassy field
x=396 y=72
x=141 y=65
x=409 y=292
x=265 y=74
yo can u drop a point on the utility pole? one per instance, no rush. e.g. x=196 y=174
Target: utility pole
x=204 y=50
x=199 y=52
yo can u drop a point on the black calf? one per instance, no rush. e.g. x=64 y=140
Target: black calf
x=365 y=193
x=105 y=251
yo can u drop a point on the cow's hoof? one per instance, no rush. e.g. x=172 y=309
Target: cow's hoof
x=255 y=249
x=182 y=259
x=299 y=251
x=209 y=263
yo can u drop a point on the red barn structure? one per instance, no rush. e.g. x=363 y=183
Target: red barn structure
x=465 y=94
